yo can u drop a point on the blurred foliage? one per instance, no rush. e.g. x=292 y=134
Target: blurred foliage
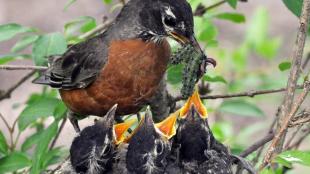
x=248 y=64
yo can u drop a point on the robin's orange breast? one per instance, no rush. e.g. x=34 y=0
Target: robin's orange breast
x=129 y=78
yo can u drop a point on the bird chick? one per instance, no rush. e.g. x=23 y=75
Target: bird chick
x=149 y=145
x=93 y=150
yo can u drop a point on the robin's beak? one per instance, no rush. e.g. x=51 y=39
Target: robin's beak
x=167 y=126
x=193 y=42
x=197 y=103
x=121 y=129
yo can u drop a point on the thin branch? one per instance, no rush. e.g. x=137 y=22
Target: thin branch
x=58 y=133
x=201 y=9
x=257 y=145
x=7 y=93
x=5 y=122
x=297 y=143
x=285 y=124
x=294 y=134
x=241 y=94
x=96 y=30
x=22 y=67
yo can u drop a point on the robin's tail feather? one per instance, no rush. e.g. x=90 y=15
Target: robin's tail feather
x=44 y=79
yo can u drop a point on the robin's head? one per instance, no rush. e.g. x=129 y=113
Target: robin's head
x=149 y=146
x=168 y=18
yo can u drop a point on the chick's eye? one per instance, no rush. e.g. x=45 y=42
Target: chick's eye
x=170 y=21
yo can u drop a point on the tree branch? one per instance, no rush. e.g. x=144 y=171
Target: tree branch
x=288 y=110
x=7 y=94
x=257 y=145
x=22 y=67
x=58 y=133
x=285 y=124
x=251 y=93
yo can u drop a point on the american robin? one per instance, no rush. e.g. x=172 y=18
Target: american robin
x=93 y=150
x=124 y=64
x=149 y=145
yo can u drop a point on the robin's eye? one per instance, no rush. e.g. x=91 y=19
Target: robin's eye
x=170 y=21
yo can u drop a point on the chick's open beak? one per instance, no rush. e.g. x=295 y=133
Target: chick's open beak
x=167 y=126
x=196 y=101
x=121 y=129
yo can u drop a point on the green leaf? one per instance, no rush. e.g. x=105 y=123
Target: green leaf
x=296 y=156
x=294 y=6
x=209 y=33
x=41 y=108
x=107 y=1
x=283 y=162
x=24 y=43
x=10 y=57
x=54 y=156
x=47 y=45
x=285 y=66
x=241 y=107
x=42 y=148
x=214 y=79
x=174 y=74
x=60 y=111
x=13 y=162
x=269 y=48
x=82 y=24
x=30 y=141
x=8 y=31
x=233 y=17
x=222 y=131
x=3 y=144
x=232 y=3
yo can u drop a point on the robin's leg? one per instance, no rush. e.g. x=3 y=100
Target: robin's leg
x=74 y=121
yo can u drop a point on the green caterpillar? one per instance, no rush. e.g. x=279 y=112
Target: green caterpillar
x=192 y=61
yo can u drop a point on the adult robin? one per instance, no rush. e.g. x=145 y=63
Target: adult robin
x=125 y=64
x=93 y=150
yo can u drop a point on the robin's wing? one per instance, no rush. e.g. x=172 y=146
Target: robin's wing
x=78 y=67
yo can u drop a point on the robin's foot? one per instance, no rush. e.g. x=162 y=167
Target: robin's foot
x=203 y=66
x=73 y=119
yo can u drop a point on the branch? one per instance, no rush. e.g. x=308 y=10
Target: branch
x=96 y=30
x=288 y=109
x=7 y=94
x=241 y=94
x=22 y=67
x=201 y=9
x=285 y=124
x=257 y=145
x=58 y=133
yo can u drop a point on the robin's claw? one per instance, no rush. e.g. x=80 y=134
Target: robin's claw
x=211 y=61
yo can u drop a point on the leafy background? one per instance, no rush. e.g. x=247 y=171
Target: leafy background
x=251 y=41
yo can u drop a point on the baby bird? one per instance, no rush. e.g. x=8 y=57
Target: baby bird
x=93 y=151
x=149 y=145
